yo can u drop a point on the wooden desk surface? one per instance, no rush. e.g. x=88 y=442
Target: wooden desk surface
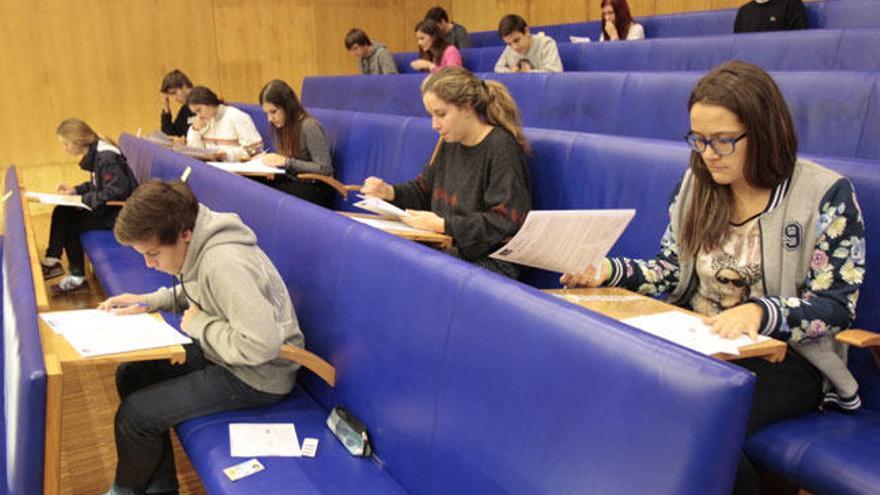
x=630 y=304
x=441 y=240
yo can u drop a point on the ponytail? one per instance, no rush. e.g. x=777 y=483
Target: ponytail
x=489 y=99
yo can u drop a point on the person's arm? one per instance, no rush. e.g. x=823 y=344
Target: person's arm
x=451 y=58
x=503 y=64
x=181 y=122
x=636 y=32
x=249 y=139
x=247 y=332
x=550 y=56
x=84 y=188
x=507 y=198
x=797 y=18
x=194 y=136
x=828 y=301
x=416 y=194
x=163 y=299
x=386 y=63
x=464 y=40
x=313 y=140
x=167 y=125
x=116 y=182
x=738 y=23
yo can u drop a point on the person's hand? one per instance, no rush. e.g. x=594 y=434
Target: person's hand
x=187 y=318
x=199 y=123
x=273 y=160
x=65 y=189
x=611 y=29
x=178 y=140
x=425 y=220
x=514 y=69
x=374 y=186
x=125 y=304
x=420 y=64
x=525 y=66
x=744 y=319
x=166 y=103
x=591 y=277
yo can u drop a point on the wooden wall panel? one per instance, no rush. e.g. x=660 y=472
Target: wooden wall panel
x=484 y=15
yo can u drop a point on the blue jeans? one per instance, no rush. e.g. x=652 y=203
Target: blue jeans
x=156 y=395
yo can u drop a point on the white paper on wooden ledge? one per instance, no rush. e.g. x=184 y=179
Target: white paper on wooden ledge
x=92 y=332
x=380 y=207
x=263 y=440
x=689 y=331
x=254 y=166
x=55 y=199
x=565 y=241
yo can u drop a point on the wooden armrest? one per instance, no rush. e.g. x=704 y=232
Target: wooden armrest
x=341 y=188
x=115 y=203
x=859 y=338
x=311 y=361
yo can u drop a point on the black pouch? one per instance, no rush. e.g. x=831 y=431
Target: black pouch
x=350 y=431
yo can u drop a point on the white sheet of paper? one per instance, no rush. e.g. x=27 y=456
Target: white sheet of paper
x=254 y=165
x=565 y=241
x=579 y=39
x=55 y=199
x=380 y=207
x=93 y=332
x=576 y=298
x=385 y=224
x=263 y=440
x=689 y=331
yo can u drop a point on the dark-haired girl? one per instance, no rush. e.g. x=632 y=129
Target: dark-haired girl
x=220 y=127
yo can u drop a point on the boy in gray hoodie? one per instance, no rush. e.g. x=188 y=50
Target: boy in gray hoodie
x=237 y=310
x=526 y=52
x=374 y=59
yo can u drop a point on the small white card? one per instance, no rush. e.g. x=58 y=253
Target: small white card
x=243 y=469
x=263 y=440
x=310 y=447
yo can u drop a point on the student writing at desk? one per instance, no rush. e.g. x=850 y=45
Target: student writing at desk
x=237 y=310
x=301 y=144
x=218 y=126
x=111 y=180
x=477 y=187
x=759 y=241
x=176 y=85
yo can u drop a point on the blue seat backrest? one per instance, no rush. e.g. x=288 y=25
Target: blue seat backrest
x=564 y=410
x=849 y=13
x=259 y=117
x=400 y=95
x=24 y=373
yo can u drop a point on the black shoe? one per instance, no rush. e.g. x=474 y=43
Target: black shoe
x=52 y=271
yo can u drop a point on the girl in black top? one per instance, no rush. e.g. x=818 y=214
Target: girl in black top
x=477 y=188
x=111 y=180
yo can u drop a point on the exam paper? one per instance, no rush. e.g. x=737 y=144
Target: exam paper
x=689 y=331
x=55 y=199
x=565 y=241
x=385 y=224
x=254 y=165
x=380 y=207
x=93 y=332
x=579 y=39
x=263 y=440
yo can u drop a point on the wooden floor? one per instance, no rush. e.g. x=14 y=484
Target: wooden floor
x=88 y=448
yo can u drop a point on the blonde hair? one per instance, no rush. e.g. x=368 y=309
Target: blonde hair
x=79 y=133
x=489 y=99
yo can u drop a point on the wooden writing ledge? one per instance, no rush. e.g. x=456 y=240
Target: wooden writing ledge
x=40 y=292
x=442 y=241
x=638 y=305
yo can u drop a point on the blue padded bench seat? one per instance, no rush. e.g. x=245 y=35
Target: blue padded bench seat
x=835 y=114
x=412 y=364
x=120 y=268
x=24 y=370
x=829 y=49
x=831 y=14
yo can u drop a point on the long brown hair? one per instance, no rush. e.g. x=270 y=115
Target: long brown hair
x=490 y=99
x=287 y=138
x=435 y=53
x=79 y=133
x=623 y=18
x=752 y=95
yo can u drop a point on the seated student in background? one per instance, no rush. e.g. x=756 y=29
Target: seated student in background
x=176 y=85
x=111 y=180
x=235 y=307
x=220 y=127
x=373 y=59
x=526 y=52
x=477 y=187
x=435 y=52
x=770 y=15
x=301 y=144
x=759 y=241
x=618 y=23
x=455 y=33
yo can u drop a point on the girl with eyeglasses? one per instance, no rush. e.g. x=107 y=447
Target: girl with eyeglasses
x=784 y=234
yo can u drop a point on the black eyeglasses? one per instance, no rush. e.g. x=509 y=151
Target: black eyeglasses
x=722 y=146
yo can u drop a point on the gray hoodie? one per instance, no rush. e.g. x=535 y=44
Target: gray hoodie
x=245 y=311
x=379 y=61
x=542 y=55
